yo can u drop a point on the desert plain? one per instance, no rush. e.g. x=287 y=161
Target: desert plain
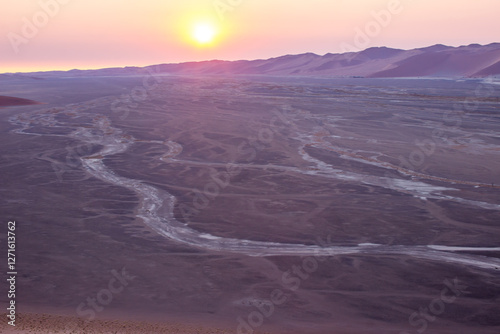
x=252 y=204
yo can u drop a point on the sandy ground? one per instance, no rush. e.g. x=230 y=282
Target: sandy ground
x=53 y=324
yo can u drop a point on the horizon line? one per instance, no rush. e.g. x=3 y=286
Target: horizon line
x=255 y=59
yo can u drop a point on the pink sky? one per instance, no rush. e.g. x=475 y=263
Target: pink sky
x=85 y=34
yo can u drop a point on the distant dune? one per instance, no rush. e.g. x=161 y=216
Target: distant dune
x=7 y=101
x=491 y=70
x=379 y=62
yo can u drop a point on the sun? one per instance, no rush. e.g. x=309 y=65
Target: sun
x=204 y=33
x=200 y=30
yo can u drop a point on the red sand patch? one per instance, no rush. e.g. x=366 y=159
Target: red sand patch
x=51 y=324
x=8 y=101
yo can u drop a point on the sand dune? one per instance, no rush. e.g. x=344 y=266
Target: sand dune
x=8 y=101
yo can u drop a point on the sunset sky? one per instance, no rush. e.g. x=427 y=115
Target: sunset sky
x=67 y=34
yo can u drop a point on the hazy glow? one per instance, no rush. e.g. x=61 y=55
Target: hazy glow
x=96 y=34
x=204 y=33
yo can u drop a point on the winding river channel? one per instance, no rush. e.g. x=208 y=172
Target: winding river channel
x=156 y=206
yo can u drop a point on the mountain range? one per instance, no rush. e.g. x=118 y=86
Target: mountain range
x=378 y=62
